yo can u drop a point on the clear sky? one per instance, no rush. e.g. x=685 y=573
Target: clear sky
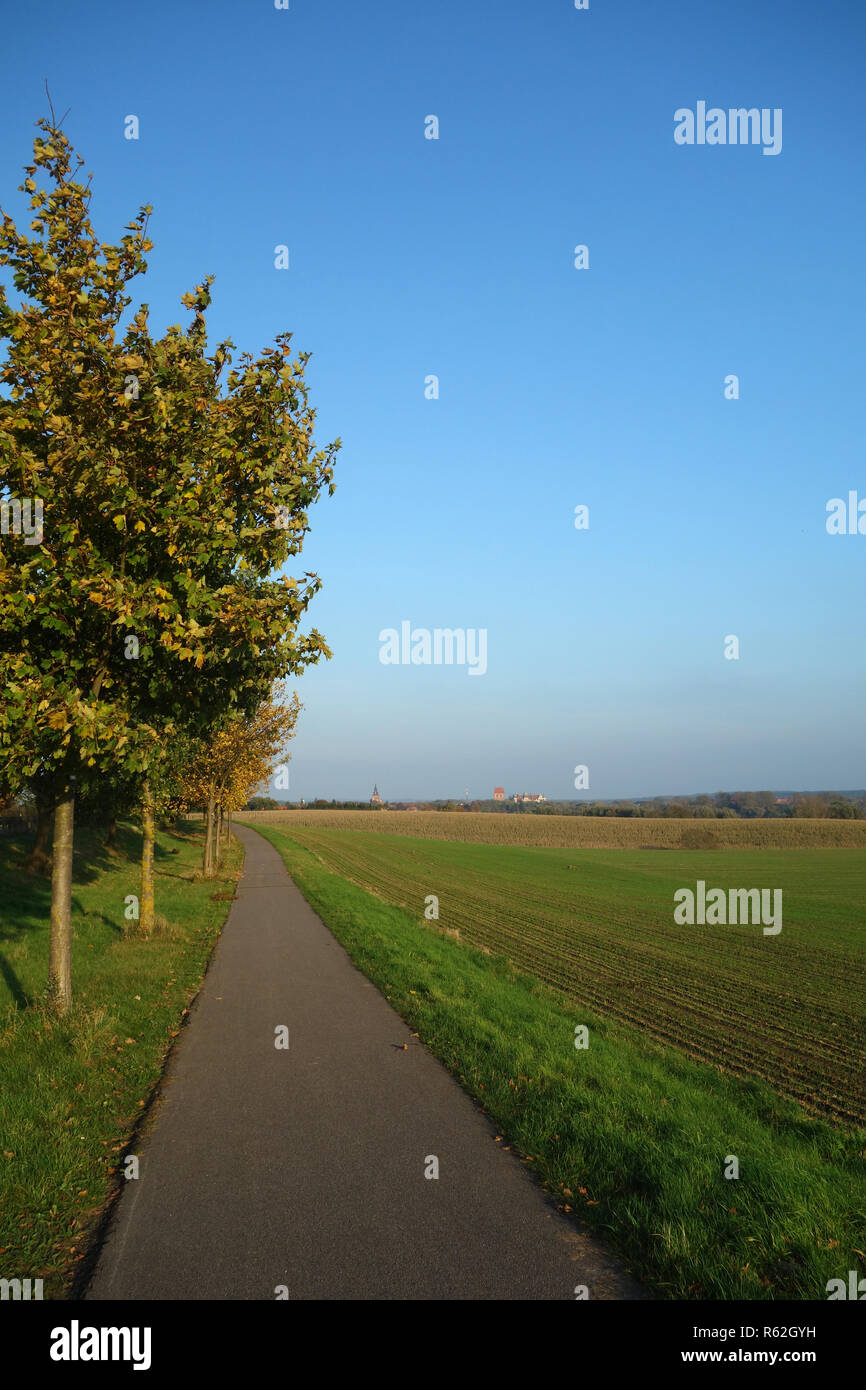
x=558 y=387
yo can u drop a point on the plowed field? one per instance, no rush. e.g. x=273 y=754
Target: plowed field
x=598 y=925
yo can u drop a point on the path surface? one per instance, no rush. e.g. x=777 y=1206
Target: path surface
x=305 y=1167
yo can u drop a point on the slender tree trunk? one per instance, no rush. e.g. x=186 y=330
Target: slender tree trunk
x=219 y=835
x=111 y=833
x=145 y=921
x=39 y=859
x=208 y=838
x=60 y=939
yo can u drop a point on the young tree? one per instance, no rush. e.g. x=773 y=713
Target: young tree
x=57 y=443
x=239 y=757
x=147 y=610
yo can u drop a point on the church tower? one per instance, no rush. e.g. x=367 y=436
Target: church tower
x=375 y=799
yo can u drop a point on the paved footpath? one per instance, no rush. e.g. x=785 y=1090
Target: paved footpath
x=305 y=1167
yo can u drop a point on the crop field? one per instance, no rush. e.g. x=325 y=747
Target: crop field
x=581 y=832
x=599 y=927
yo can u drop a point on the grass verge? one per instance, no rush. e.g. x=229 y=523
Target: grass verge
x=633 y=1137
x=74 y=1091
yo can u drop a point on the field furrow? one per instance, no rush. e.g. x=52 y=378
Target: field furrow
x=598 y=926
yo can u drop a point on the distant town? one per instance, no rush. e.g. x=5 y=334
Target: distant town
x=847 y=805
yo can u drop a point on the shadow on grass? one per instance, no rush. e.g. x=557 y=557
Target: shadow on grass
x=20 y=997
x=25 y=897
x=93 y=917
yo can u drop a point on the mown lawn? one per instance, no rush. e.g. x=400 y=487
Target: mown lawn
x=73 y=1092
x=633 y=1136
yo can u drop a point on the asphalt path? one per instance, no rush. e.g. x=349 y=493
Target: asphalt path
x=299 y=1172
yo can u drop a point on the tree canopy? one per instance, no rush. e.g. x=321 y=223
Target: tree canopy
x=173 y=487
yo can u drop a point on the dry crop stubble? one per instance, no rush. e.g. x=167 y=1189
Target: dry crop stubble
x=580 y=832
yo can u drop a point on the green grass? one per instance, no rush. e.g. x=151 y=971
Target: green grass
x=74 y=1092
x=599 y=926
x=637 y=1132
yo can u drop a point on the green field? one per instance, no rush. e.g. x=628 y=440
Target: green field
x=74 y=1091
x=788 y=1008
x=703 y=1042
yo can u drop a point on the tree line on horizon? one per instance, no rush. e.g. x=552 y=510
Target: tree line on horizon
x=720 y=805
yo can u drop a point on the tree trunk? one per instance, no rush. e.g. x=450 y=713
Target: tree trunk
x=145 y=920
x=39 y=859
x=60 y=939
x=207 y=864
x=111 y=833
x=219 y=835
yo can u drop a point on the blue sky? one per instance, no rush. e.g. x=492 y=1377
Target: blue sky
x=558 y=387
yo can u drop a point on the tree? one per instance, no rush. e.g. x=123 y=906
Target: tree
x=147 y=609
x=57 y=445
x=809 y=805
x=238 y=758
x=220 y=485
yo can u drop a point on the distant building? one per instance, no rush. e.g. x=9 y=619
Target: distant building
x=498 y=793
x=411 y=808
x=375 y=799
x=530 y=796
